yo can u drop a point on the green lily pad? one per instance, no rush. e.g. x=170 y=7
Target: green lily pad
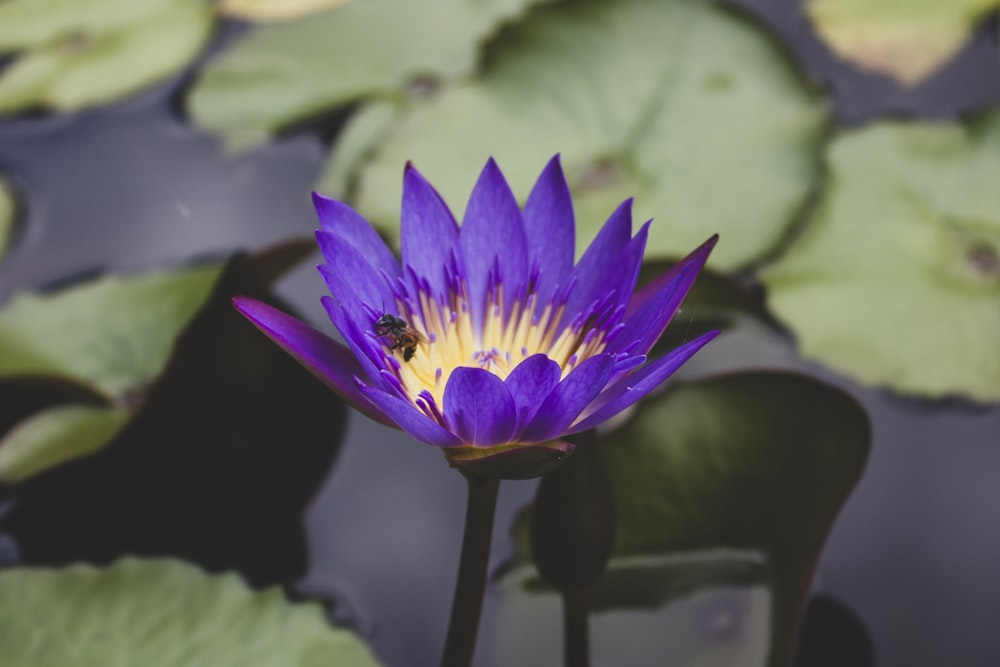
x=278 y=75
x=684 y=105
x=272 y=11
x=113 y=333
x=896 y=279
x=906 y=39
x=55 y=436
x=7 y=211
x=742 y=475
x=161 y=613
x=82 y=53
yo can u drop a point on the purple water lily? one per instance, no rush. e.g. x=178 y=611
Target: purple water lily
x=488 y=341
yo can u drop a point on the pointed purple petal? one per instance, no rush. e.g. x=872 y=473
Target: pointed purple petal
x=324 y=357
x=428 y=231
x=408 y=417
x=492 y=235
x=646 y=323
x=570 y=396
x=352 y=280
x=344 y=222
x=366 y=348
x=529 y=383
x=478 y=407
x=549 y=226
x=633 y=387
x=592 y=270
x=699 y=255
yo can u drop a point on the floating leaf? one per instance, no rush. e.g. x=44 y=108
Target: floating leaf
x=218 y=463
x=113 y=333
x=896 y=280
x=272 y=11
x=84 y=53
x=55 y=436
x=684 y=105
x=161 y=613
x=278 y=75
x=7 y=211
x=906 y=39
x=741 y=474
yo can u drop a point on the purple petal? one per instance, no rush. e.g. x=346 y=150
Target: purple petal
x=644 y=324
x=633 y=387
x=408 y=417
x=592 y=270
x=570 y=396
x=493 y=235
x=529 y=383
x=353 y=281
x=367 y=350
x=549 y=226
x=344 y=222
x=428 y=231
x=479 y=407
x=699 y=255
x=324 y=357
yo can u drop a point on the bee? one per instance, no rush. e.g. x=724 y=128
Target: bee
x=399 y=333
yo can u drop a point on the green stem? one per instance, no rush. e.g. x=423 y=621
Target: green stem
x=576 y=628
x=468 y=601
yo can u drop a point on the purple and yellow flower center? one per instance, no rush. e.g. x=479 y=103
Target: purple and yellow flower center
x=448 y=340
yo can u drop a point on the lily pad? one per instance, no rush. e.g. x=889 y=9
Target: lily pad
x=686 y=106
x=7 y=211
x=740 y=475
x=906 y=39
x=278 y=75
x=55 y=436
x=161 y=613
x=896 y=279
x=82 y=53
x=222 y=454
x=273 y=11
x=114 y=333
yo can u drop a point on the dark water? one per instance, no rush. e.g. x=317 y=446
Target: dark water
x=915 y=553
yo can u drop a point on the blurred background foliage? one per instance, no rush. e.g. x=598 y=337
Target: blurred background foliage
x=875 y=246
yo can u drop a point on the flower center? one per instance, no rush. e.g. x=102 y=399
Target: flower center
x=447 y=340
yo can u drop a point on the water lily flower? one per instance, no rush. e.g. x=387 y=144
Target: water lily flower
x=487 y=340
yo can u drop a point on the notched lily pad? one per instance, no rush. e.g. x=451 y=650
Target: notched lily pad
x=282 y=74
x=906 y=40
x=161 y=613
x=82 y=53
x=743 y=474
x=896 y=279
x=684 y=105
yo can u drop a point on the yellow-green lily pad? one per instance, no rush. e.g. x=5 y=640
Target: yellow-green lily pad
x=274 y=11
x=684 y=105
x=281 y=74
x=83 y=53
x=7 y=211
x=161 y=613
x=114 y=333
x=906 y=39
x=896 y=280
x=54 y=436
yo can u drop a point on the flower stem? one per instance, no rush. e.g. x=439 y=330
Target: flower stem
x=576 y=628
x=468 y=601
